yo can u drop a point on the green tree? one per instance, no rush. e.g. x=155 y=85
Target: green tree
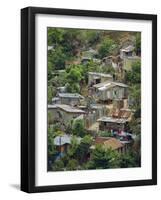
x=73 y=147
x=50 y=70
x=74 y=75
x=72 y=164
x=55 y=36
x=50 y=94
x=135 y=125
x=137 y=150
x=106 y=47
x=134 y=75
x=57 y=58
x=72 y=41
x=52 y=151
x=78 y=128
x=135 y=96
x=102 y=158
x=58 y=165
x=138 y=43
x=92 y=37
x=133 y=79
x=84 y=148
x=73 y=78
x=128 y=159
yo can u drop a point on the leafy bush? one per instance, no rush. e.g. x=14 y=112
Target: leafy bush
x=105 y=133
x=72 y=164
x=78 y=128
x=58 y=165
x=106 y=47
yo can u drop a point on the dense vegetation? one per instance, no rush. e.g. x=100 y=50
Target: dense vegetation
x=65 y=69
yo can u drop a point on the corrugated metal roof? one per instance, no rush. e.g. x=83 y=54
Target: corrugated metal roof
x=122 y=113
x=61 y=140
x=113 y=144
x=109 y=84
x=65 y=139
x=100 y=74
x=70 y=95
x=128 y=48
x=112 y=120
x=66 y=108
x=108 y=142
x=120 y=84
x=104 y=84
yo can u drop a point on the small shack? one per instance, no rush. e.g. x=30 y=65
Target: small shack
x=62 y=112
x=62 y=142
x=127 y=52
x=95 y=78
x=112 y=123
x=72 y=99
x=108 y=91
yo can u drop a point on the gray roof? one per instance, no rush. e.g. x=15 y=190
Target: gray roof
x=128 y=49
x=120 y=84
x=112 y=120
x=86 y=58
x=66 y=108
x=52 y=106
x=61 y=140
x=100 y=74
x=55 y=99
x=71 y=95
x=109 y=84
x=104 y=84
x=97 y=106
x=64 y=139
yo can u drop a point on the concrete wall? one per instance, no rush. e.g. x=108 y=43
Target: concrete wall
x=70 y=101
x=60 y=115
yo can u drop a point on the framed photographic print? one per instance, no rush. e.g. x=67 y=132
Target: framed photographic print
x=88 y=99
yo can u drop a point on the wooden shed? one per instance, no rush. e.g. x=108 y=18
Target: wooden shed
x=112 y=123
x=95 y=78
x=111 y=90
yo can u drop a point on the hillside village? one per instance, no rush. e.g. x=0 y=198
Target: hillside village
x=94 y=114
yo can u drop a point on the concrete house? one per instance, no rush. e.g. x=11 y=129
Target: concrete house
x=72 y=99
x=108 y=91
x=59 y=112
x=95 y=78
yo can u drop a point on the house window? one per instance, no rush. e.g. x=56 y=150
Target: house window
x=98 y=80
x=115 y=93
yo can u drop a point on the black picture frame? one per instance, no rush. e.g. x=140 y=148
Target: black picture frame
x=28 y=99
